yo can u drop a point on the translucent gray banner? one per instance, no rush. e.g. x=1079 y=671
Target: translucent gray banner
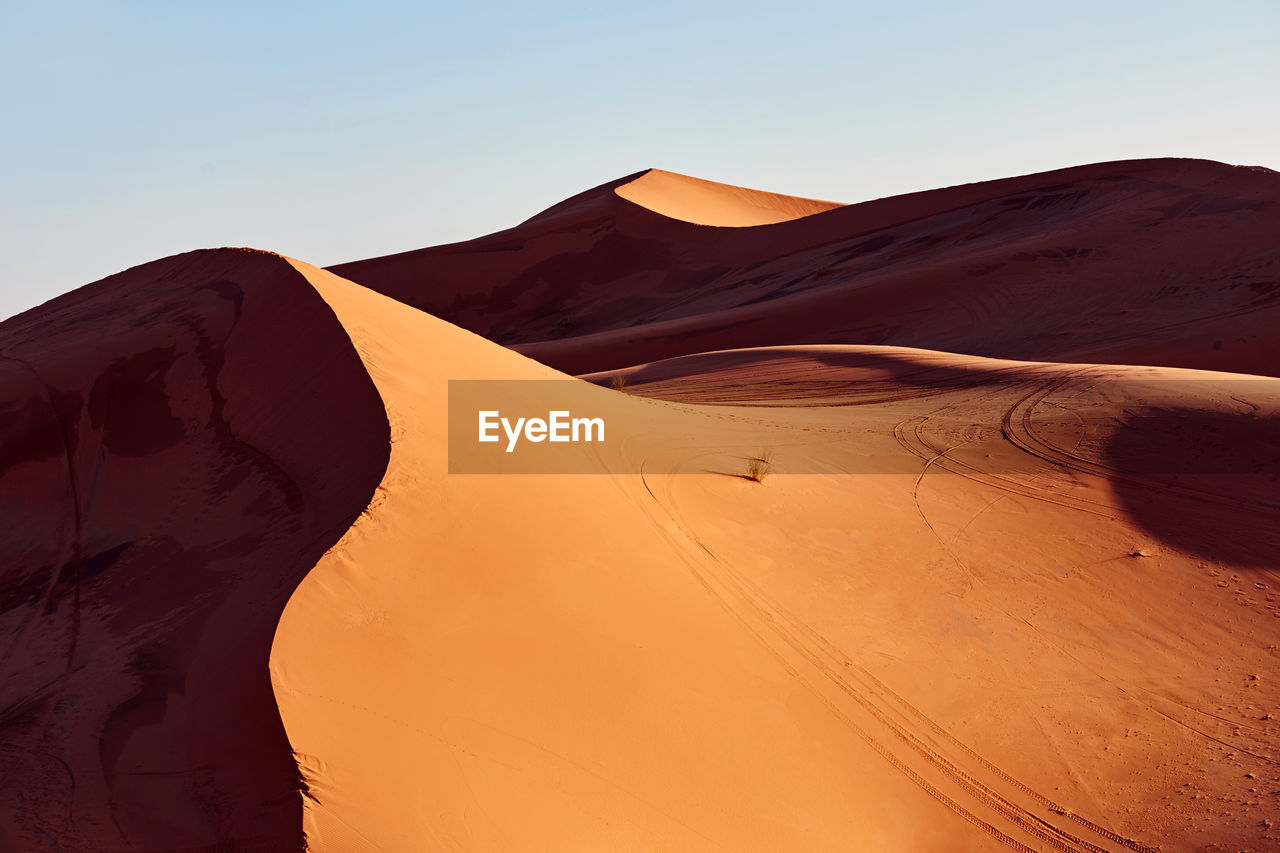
x=994 y=423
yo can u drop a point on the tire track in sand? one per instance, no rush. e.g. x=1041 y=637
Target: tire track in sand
x=953 y=774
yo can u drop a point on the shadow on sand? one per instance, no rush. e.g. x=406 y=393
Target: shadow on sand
x=1204 y=482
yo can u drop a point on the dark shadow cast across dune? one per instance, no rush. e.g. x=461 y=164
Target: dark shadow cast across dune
x=793 y=376
x=1204 y=482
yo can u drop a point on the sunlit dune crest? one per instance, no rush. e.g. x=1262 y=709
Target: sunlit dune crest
x=709 y=203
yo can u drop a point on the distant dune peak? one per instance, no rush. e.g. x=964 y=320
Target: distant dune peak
x=710 y=203
x=1100 y=263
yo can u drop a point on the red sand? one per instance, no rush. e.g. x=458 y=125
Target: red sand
x=1160 y=262
x=958 y=658
x=181 y=442
x=1051 y=623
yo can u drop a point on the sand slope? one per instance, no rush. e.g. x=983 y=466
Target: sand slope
x=710 y=203
x=976 y=603
x=1164 y=262
x=996 y=649
x=179 y=443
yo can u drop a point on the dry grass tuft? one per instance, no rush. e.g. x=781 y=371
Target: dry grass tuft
x=759 y=466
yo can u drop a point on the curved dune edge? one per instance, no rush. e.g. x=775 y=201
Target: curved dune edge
x=830 y=373
x=179 y=444
x=703 y=202
x=697 y=662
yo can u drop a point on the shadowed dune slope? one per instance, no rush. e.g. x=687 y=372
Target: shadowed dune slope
x=1166 y=262
x=987 y=650
x=179 y=444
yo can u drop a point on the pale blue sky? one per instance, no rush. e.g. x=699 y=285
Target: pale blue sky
x=333 y=131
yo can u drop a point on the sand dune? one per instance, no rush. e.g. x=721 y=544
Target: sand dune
x=709 y=203
x=1161 y=262
x=839 y=579
x=180 y=443
x=973 y=655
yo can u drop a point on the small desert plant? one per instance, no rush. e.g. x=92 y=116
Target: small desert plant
x=619 y=383
x=759 y=466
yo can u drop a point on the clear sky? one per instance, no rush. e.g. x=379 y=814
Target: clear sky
x=332 y=131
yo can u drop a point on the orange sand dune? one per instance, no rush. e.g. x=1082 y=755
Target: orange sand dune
x=179 y=444
x=1000 y=648
x=836 y=580
x=1164 y=262
x=709 y=203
